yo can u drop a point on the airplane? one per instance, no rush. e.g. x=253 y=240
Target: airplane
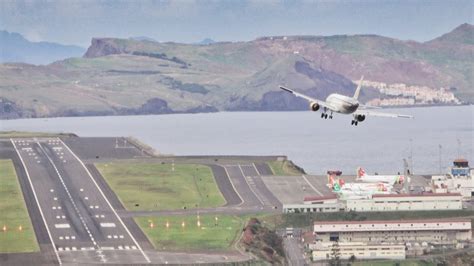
x=389 y=179
x=358 y=189
x=343 y=104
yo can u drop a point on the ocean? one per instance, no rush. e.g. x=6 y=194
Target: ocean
x=317 y=145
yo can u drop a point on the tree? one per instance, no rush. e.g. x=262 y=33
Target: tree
x=352 y=259
x=335 y=254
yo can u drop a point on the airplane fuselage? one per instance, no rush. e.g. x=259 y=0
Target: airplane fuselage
x=342 y=104
x=389 y=179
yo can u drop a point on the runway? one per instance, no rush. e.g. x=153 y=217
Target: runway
x=78 y=219
x=80 y=222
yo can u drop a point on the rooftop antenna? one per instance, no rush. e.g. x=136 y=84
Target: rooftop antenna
x=406 y=171
x=440 y=148
x=411 y=155
x=459 y=147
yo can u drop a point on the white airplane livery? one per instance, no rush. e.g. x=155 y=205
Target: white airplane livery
x=337 y=103
x=389 y=179
x=340 y=185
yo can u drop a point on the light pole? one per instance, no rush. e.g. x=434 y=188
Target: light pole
x=440 y=148
x=459 y=147
x=411 y=156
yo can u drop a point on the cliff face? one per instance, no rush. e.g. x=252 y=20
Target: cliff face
x=103 y=47
x=129 y=76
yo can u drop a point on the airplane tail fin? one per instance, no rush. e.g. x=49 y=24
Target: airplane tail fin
x=357 y=92
x=334 y=184
x=401 y=179
x=331 y=181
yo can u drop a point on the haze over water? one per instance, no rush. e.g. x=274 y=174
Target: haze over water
x=377 y=144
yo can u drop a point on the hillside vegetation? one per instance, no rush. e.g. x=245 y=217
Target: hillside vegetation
x=125 y=76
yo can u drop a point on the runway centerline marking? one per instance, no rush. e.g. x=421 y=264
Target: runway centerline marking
x=108 y=202
x=37 y=202
x=69 y=195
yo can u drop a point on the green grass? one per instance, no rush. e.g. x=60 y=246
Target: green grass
x=13 y=214
x=152 y=186
x=23 y=134
x=283 y=168
x=191 y=237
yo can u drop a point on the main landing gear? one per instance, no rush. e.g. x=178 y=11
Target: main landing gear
x=357 y=118
x=325 y=115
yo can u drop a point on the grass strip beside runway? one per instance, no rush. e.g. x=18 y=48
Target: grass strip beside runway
x=209 y=234
x=152 y=186
x=284 y=168
x=13 y=214
x=25 y=134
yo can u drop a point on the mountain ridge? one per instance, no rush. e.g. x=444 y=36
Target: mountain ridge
x=16 y=48
x=123 y=76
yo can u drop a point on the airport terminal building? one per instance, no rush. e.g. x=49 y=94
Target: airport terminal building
x=407 y=202
x=323 y=251
x=380 y=202
x=445 y=231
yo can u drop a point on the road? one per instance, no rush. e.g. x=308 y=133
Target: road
x=294 y=252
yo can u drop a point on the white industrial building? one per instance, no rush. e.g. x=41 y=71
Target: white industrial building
x=406 y=202
x=379 y=202
x=329 y=203
x=441 y=231
x=323 y=251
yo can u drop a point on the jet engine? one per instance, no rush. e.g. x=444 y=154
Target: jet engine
x=314 y=106
x=360 y=118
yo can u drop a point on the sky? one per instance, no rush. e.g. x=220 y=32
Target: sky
x=189 y=21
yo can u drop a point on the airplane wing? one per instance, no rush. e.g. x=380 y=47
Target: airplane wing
x=371 y=113
x=364 y=106
x=309 y=99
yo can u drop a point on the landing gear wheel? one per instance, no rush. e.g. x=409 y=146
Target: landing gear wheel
x=352 y=122
x=322 y=115
x=355 y=123
x=330 y=117
x=325 y=116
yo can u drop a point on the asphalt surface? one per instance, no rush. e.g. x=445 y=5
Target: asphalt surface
x=104 y=148
x=78 y=219
x=81 y=225
x=225 y=186
x=47 y=254
x=294 y=251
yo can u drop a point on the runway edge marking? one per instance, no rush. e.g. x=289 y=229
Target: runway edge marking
x=242 y=201
x=254 y=166
x=70 y=198
x=107 y=200
x=250 y=187
x=311 y=185
x=37 y=202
